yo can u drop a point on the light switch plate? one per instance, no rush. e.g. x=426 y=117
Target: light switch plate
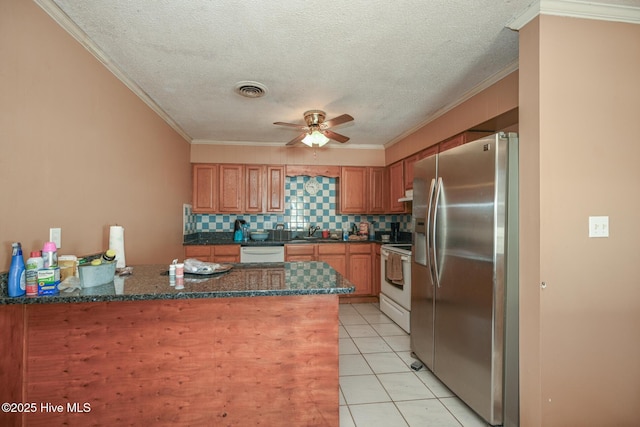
x=55 y=236
x=598 y=226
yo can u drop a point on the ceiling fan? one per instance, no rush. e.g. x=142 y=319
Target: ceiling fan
x=317 y=129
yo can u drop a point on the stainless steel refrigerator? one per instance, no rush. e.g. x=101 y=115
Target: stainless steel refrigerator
x=464 y=299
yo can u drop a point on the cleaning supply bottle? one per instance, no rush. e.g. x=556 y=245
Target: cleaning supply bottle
x=17 y=278
x=50 y=255
x=34 y=263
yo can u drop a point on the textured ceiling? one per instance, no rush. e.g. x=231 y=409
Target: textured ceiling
x=391 y=65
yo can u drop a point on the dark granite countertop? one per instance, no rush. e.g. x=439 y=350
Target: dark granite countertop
x=149 y=282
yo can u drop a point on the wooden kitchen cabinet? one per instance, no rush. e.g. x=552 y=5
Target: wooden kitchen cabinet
x=360 y=268
x=410 y=161
x=254 y=185
x=213 y=253
x=461 y=139
x=378 y=199
x=230 y=187
x=396 y=187
x=238 y=188
x=354 y=261
x=408 y=171
x=334 y=254
x=353 y=189
x=275 y=188
x=363 y=190
x=202 y=253
x=204 y=188
x=225 y=253
x=300 y=252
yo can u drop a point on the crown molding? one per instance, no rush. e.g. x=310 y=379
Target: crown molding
x=280 y=144
x=576 y=9
x=81 y=37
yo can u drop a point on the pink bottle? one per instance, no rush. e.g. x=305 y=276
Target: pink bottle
x=50 y=255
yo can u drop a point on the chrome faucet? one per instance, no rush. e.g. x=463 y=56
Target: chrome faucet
x=313 y=229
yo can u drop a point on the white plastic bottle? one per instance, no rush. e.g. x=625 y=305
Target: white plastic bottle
x=34 y=263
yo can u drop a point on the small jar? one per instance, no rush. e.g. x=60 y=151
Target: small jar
x=172 y=275
x=180 y=270
x=109 y=256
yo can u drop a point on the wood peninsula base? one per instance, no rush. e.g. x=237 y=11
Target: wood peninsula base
x=217 y=362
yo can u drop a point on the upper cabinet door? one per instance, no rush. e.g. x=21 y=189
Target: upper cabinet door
x=231 y=187
x=353 y=189
x=205 y=179
x=378 y=191
x=396 y=190
x=275 y=188
x=410 y=161
x=254 y=185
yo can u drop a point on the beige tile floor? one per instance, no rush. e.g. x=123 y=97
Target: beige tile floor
x=377 y=385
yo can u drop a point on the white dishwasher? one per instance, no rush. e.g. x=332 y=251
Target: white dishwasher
x=261 y=254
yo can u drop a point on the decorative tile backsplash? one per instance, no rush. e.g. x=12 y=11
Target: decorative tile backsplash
x=302 y=210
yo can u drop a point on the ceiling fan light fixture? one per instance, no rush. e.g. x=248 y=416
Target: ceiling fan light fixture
x=315 y=137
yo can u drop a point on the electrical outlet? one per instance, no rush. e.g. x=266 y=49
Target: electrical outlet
x=598 y=226
x=55 y=236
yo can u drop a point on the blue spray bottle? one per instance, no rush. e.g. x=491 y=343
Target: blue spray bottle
x=16 y=286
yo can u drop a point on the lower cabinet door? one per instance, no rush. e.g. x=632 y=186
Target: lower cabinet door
x=360 y=273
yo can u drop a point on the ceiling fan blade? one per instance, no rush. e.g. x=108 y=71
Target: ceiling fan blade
x=297 y=139
x=291 y=125
x=335 y=136
x=337 y=121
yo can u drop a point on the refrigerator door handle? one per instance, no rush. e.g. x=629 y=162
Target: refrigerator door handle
x=428 y=229
x=433 y=232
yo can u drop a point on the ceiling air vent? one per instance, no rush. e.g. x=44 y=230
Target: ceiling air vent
x=251 y=89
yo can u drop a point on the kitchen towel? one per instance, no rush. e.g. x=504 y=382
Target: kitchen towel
x=393 y=269
x=116 y=242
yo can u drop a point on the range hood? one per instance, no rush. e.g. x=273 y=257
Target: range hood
x=408 y=196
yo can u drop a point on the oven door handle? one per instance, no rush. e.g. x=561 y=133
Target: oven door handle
x=404 y=258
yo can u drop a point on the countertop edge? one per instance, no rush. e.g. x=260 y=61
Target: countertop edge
x=57 y=299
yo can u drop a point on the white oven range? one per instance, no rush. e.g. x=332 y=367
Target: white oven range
x=395 y=300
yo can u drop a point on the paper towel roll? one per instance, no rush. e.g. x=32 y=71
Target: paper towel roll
x=118 y=283
x=116 y=242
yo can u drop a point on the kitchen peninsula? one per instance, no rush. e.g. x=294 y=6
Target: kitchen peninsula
x=255 y=345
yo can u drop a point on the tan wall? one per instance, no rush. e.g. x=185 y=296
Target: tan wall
x=79 y=150
x=529 y=136
x=327 y=155
x=497 y=99
x=582 y=155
